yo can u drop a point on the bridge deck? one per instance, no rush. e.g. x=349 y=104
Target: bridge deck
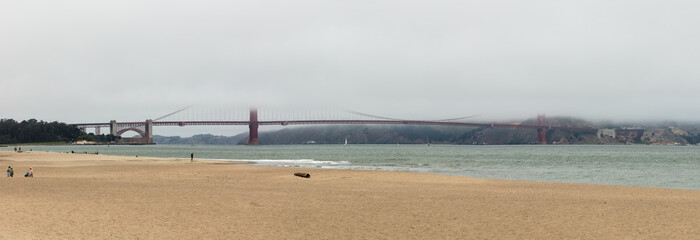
x=331 y=122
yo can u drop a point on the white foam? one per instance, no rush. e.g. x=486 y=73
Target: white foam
x=292 y=162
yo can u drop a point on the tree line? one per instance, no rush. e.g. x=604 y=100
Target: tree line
x=34 y=131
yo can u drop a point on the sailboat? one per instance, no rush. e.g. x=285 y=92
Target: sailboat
x=346 y=141
x=427 y=140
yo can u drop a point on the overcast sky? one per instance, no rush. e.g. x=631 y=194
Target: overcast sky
x=94 y=61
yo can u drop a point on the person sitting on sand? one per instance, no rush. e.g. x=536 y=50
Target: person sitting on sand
x=29 y=173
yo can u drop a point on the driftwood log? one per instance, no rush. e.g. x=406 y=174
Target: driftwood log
x=301 y=174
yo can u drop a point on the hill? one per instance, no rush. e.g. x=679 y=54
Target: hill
x=199 y=139
x=654 y=133
x=35 y=131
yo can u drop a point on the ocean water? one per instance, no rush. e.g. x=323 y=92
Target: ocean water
x=630 y=165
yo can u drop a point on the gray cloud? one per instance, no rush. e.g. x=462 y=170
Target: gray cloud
x=83 y=61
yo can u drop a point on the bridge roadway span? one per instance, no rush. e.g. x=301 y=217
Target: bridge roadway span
x=146 y=132
x=329 y=122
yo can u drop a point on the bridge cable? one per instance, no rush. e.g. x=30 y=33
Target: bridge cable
x=396 y=119
x=170 y=114
x=370 y=115
x=454 y=119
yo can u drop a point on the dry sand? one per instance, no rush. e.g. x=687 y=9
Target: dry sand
x=79 y=196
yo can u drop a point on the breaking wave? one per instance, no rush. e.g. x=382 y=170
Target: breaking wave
x=292 y=162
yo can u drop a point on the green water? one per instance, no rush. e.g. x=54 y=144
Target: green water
x=632 y=165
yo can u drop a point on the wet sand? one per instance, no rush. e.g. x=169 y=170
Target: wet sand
x=85 y=196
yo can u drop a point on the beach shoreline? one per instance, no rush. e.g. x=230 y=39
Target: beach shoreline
x=99 y=196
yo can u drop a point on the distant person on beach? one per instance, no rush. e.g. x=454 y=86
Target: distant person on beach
x=10 y=172
x=192 y=157
x=29 y=173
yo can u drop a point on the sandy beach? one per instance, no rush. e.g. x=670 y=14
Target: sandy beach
x=87 y=196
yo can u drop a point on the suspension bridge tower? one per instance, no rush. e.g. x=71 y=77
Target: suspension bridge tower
x=541 y=130
x=253 y=128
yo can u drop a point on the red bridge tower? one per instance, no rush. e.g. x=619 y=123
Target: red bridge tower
x=542 y=130
x=253 y=128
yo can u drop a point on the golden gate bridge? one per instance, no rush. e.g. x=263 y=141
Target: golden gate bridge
x=145 y=128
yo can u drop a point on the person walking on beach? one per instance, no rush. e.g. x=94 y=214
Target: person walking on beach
x=192 y=157
x=9 y=171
